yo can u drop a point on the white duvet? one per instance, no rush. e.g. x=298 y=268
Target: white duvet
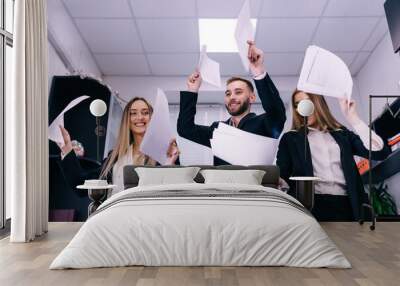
x=183 y=231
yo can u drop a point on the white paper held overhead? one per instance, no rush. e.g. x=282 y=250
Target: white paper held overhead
x=325 y=73
x=209 y=69
x=159 y=133
x=244 y=32
x=54 y=128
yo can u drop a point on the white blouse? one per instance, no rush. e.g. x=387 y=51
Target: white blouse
x=118 y=171
x=325 y=155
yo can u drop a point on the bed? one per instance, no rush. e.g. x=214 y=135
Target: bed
x=201 y=224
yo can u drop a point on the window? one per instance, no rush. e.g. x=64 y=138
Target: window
x=6 y=65
x=8 y=85
x=9 y=16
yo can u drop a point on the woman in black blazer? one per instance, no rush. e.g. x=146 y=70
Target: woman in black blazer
x=135 y=119
x=330 y=150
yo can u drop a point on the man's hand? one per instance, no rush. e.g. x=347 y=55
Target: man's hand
x=194 y=82
x=256 y=58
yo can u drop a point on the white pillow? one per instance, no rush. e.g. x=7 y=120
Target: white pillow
x=248 y=177
x=166 y=176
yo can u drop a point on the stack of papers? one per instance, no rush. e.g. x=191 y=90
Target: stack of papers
x=325 y=73
x=159 y=132
x=54 y=128
x=244 y=32
x=209 y=69
x=239 y=147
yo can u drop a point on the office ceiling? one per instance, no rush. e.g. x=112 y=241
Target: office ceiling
x=160 y=37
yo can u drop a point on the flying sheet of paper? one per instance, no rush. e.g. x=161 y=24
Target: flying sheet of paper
x=239 y=147
x=159 y=132
x=244 y=31
x=54 y=128
x=209 y=69
x=325 y=73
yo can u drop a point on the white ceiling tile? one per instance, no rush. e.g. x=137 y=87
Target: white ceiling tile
x=355 y=8
x=292 y=8
x=348 y=58
x=230 y=63
x=285 y=35
x=225 y=8
x=344 y=34
x=378 y=34
x=173 y=64
x=163 y=8
x=122 y=64
x=98 y=8
x=284 y=30
x=359 y=62
x=169 y=35
x=279 y=64
x=110 y=35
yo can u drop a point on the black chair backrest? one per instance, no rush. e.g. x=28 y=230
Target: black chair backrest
x=270 y=179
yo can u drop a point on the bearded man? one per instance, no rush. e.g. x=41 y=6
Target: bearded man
x=239 y=96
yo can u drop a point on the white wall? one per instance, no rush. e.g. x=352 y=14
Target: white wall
x=129 y=87
x=68 y=40
x=380 y=76
x=56 y=66
x=210 y=106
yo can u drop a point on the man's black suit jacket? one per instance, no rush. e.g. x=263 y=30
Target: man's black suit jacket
x=269 y=124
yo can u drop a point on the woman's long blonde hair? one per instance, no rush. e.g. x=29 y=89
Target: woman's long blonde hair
x=125 y=139
x=323 y=115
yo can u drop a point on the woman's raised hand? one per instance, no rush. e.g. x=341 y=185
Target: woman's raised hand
x=172 y=152
x=349 y=110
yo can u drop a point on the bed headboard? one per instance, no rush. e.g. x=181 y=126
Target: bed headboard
x=270 y=179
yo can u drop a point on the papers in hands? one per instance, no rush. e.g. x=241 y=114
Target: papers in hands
x=54 y=128
x=209 y=69
x=159 y=132
x=239 y=147
x=244 y=32
x=325 y=73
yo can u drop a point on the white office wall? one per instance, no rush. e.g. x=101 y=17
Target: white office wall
x=67 y=39
x=56 y=66
x=129 y=87
x=380 y=76
x=210 y=105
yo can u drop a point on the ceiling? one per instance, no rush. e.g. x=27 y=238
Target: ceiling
x=160 y=37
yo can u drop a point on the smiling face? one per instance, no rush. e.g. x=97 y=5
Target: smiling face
x=238 y=97
x=311 y=120
x=139 y=117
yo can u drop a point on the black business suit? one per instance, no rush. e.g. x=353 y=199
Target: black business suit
x=292 y=162
x=75 y=175
x=269 y=124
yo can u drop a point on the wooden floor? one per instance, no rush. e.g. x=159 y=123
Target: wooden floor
x=374 y=255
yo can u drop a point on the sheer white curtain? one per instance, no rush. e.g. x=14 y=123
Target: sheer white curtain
x=27 y=120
